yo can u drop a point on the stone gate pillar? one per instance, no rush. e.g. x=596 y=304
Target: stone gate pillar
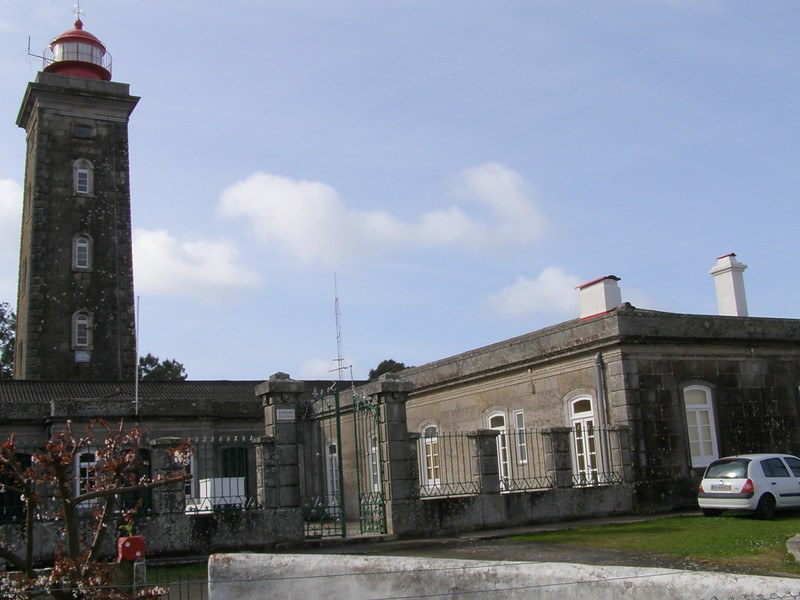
x=486 y=469
x=167 y=499
x=558 y=456
x=400 y=482
x=280 y=397
x=266 y=472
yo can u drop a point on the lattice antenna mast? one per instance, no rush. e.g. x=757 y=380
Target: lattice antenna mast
x=339 y=367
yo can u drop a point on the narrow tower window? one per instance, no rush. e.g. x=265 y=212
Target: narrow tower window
x=83 y=177
x=81 y=330
x=82 y=252
x=82 y=131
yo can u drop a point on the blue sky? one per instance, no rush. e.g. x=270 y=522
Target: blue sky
x=458 y=167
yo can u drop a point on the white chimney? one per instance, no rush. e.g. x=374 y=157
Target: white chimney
x=599 y=296
x=729 y=281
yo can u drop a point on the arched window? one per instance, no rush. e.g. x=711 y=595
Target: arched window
x=497 y=421
x=429 y=440
x=81 y=330
x=584 y=447
x=700 y=425
x=82 y=252
x=85 y=465
x=83 y=177
x=23 y=276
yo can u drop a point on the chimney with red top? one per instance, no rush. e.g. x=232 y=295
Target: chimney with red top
x=599 y=296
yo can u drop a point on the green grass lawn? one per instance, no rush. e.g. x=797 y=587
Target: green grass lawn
x=161 y=574
x=731 y=541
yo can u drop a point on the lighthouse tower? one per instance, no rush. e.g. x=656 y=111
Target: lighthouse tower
x=75 y=308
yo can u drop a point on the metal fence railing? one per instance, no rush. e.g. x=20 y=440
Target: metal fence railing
x=446 y=467
x=521 y=455
x=144 y=578
x=12 y=508
x=223 y=475
x=446 y=461
x=222 y=469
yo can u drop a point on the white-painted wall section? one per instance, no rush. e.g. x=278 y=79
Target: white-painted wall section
x=258 y=576
x=729 y=282
x=599 y=296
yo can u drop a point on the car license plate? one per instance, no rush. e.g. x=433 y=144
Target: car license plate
x=720 y=487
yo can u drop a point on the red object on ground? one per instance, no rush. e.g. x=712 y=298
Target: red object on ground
x=130 y=548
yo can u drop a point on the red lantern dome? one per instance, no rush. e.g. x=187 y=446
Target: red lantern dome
x=78 y=53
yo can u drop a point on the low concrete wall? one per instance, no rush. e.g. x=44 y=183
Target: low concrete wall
x=493 y=511
x=177 y=534
x=220 y=532
x=258 y=576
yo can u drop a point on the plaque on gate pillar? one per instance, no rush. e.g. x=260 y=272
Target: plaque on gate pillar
x=285 y=415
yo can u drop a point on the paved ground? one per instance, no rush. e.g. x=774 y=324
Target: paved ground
x=495 y=545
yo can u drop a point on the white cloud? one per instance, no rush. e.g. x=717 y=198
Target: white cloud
x=508 y=198
x=315 y=368
x=552 y=291
x=8 y=288
x=10 y=214
x=308 y=221
x=206 y=270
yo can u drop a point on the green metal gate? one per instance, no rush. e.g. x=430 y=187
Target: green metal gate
x=324 y=487
x=321 y=467
x=369 y=465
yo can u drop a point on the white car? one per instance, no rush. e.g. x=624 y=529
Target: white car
x=761 y=483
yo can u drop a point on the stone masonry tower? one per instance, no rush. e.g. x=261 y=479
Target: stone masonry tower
x=75 y=308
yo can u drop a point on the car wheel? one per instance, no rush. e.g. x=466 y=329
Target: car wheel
x=766 y=507
x=711 y=512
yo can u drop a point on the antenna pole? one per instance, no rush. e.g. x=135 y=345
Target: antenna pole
x=136 y=378
x=339 y=357
x=339 y=360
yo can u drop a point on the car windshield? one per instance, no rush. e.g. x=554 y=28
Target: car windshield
x=728 y=469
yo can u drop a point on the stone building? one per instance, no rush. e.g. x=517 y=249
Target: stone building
x=688 y=389
x=615 y=411
x=75 y=315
